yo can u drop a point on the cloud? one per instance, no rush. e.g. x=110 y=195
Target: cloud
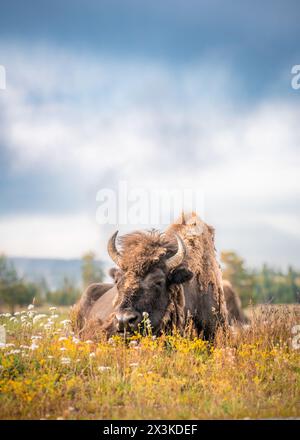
x=74 y=124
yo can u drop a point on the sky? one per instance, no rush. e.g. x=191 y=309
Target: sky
x=173 y=94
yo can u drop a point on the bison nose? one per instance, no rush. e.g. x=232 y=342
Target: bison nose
x=127 y=319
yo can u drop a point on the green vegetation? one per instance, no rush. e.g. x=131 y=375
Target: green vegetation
x=265 y=285
x=17 y=291
x=260 y=286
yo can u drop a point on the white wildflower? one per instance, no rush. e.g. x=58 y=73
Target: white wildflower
x=133 y=343
x=134 y=364
x=62 y=338
x=103 y=368
x=13 y=319
x=92 y=355
x=17 y=351
x=89 y=341
x=52 y=309
x=65 y=360
x=39 y=317
x=63 y=349
x=30 y=307
x=66 y=322
x=33 y=346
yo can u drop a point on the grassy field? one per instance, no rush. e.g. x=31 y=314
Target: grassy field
x=47 y=373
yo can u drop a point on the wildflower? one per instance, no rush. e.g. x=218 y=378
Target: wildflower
x=134 y=364
x=65 y=361
x=33 y=346
x=6 y=315
x=38 y=317
x=30 y=307
x=66 y=322
x=62 y=338
x=13 y=319
x=24 y=346
x=103 y=368
x=50 y=357
x=63 y=349
x=92 y=355
x=33 y=337
x=52 y=308
x=88 y=341
x=75 y=340
x=17 y=351
x=17 y=313
x=54 y=316
x=133 y=343
x=145 y=315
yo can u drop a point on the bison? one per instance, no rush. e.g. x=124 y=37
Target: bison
x=172 y=277
x=236 y=314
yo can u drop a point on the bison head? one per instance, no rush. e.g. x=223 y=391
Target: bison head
x=150 y=272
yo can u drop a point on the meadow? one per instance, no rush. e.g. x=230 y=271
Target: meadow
x=47 y=372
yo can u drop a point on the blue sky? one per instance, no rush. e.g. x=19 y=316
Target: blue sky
x=174 y=93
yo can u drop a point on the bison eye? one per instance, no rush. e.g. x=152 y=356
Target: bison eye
x=159 y=284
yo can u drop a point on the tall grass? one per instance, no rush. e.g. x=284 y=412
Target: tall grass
x=251 y=372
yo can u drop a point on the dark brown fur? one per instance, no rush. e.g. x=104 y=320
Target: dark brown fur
x=234 y=305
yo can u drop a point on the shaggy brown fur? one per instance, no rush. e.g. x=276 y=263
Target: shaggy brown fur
x=144 y=283
x=201 y=259
x=234 y=305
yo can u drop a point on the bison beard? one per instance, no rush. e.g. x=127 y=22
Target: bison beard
x=190 y=287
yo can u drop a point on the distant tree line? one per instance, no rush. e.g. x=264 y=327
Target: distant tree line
x=17 y=291
x=264 y=285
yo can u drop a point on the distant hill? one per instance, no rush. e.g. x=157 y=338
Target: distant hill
x=53 y=271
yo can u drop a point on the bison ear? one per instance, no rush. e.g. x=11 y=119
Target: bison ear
x=179 y=276
x=115 y=273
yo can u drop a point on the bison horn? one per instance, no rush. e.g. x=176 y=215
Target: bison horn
x=177 y=259
x=112 y=249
